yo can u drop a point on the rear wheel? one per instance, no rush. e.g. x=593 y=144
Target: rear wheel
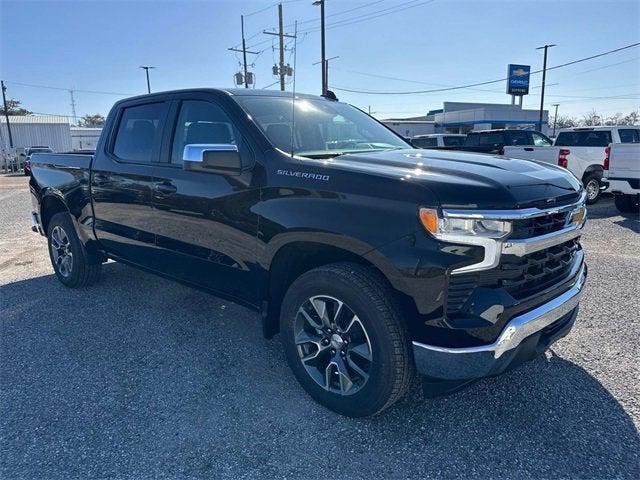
x=592 y=186
x=73 y=264
x=627 y=203
x=344 y=339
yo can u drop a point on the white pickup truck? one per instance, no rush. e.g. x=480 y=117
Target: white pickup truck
x=581 y=150
x=622 y=170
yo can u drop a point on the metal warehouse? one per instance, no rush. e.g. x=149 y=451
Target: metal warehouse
x=31 y=130
x=85 y=138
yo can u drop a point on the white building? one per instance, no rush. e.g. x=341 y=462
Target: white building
x=85 y=138
x=463 y=117
x=35 y=130
x=410 y=127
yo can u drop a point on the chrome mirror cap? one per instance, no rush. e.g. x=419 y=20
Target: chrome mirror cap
x=194 y=152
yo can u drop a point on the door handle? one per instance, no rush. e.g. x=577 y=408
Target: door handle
x=165 y=188
x=528 y=149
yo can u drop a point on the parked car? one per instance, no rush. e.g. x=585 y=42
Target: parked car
x=27 y=157
x=622 y=170
x=372 y=260
x=495 y=141
x=435 y=140
x=581 y=151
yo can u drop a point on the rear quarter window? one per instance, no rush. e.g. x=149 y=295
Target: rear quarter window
x=591 y=138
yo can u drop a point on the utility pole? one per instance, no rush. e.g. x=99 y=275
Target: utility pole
x=73 y=107
x=323 y=60
x=244 y=53
x=146 y=69
x=281 y=70
x=544 y=77
x=555 y=119
x=6 y=113
x=281 y=39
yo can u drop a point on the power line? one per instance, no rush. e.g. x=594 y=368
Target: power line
x=370 y=16
x=478 y=84
x=75 y=89
x=361 y=18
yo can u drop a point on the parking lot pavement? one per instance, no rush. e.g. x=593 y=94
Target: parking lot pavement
x=140 y=377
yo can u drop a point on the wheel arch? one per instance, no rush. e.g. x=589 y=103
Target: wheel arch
x=295 y=258
x=594 y=168
x=49 y=206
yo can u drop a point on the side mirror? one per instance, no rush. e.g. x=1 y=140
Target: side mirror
x=212 y=157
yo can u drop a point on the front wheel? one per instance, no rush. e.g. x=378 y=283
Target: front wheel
x=344 y=339
x=592 y=186
x=73 y=264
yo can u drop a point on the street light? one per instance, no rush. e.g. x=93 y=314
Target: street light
x=555 y=118
x=544 y=76
x=323 y=59
x=146 y=69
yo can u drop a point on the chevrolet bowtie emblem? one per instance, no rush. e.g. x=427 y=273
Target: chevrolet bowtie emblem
x=519 y=72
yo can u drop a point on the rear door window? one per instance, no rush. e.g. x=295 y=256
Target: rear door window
x=139 y=130
x=453 y=141
x=629 y=135
x=591 y=138
x=425 y=142
x=519 y=138
x=491 y=139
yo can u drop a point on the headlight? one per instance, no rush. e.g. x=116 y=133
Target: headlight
x=444 y=228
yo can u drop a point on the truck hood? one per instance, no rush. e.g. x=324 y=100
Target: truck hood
x=470 y=180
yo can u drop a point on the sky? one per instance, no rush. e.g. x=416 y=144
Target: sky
x=384 y=46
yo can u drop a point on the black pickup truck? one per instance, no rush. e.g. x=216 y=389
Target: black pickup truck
x=372 y=259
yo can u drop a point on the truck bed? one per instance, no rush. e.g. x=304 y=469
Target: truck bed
x=61 y=176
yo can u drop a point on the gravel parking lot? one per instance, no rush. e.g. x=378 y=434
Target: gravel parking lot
x=140 y=377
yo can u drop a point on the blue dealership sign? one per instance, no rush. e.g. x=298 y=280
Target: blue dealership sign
x=518 y=79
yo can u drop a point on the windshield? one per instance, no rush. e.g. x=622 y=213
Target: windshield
x=323 y=128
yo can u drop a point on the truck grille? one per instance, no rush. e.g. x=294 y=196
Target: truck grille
x=521 y=277
x=536 y=226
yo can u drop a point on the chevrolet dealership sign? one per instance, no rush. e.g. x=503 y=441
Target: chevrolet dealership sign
x=518 y=79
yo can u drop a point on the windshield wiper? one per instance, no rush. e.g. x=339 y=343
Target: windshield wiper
x=346 y=152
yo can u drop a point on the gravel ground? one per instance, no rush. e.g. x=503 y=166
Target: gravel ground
x=139 y=377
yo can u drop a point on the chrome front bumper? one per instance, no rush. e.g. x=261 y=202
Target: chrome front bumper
x=475 y=362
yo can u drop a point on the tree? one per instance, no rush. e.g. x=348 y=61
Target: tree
x=95 y=120
x=14 y=108
x=565 y=121
x=591 y=119
x=632 y=119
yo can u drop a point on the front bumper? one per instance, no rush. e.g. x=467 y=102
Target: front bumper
x=523 y=338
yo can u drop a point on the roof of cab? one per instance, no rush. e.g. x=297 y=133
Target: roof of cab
x=234 y=92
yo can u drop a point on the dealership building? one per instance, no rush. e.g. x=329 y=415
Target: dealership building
x=464 y=117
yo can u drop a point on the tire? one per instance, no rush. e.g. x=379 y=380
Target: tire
x=370 y=324
x=73 y=264
x=627 y=203
x=591 y=183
